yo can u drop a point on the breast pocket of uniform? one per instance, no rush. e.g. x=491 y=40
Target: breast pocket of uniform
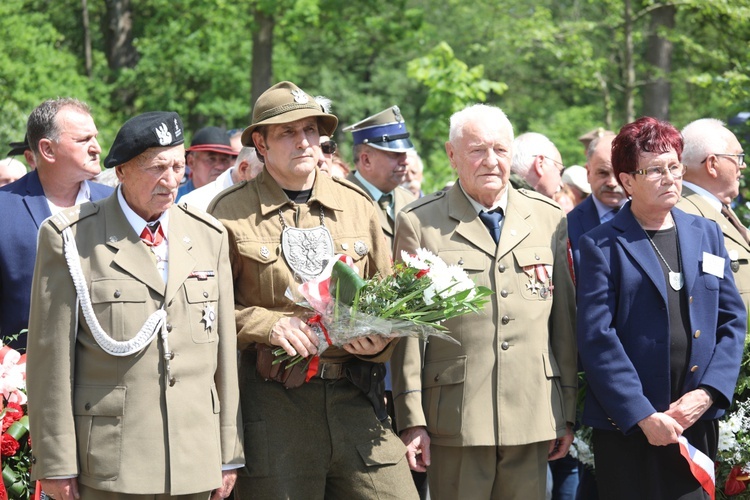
x=119 y=304
x=474 y=263
x=98 y=412
x=535 y=278
x=443 y=397
x=262 y=262
x=203 y=302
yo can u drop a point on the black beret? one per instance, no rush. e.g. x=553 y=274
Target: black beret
x=157 y=129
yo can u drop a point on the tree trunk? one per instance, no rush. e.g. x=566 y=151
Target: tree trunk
x=629 y=64
x=118 y=35
x=657 y=91
x=87 y=38
x=262 y=65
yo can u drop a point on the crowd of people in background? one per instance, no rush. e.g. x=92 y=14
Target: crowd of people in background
x=156 y=290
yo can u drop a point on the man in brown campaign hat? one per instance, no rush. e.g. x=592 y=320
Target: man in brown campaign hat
x=325 y=438
x=381 y=142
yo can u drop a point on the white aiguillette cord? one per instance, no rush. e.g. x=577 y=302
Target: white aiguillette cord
x=147 y=333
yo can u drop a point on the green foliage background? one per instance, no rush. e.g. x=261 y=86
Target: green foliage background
x=555 y=67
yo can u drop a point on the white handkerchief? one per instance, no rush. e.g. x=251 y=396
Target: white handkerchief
x=713 y=264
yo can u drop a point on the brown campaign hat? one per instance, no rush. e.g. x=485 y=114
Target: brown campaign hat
x=285 y=103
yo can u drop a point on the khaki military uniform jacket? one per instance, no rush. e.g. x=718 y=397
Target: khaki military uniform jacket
x=114 y=421
x=250 y=212
x=693 y=203
x=512 y=381
x=401 y=198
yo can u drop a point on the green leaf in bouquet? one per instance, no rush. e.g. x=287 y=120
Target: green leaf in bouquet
x=346 y=282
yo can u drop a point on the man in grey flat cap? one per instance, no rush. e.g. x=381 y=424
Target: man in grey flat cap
x=380 y=145
x=132 y=379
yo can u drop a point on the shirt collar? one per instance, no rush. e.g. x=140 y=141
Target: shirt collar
x=136 y=221
x=602 y=209
x=84 y=195
x=709 y=197
x=502 y=203
x=374 y=192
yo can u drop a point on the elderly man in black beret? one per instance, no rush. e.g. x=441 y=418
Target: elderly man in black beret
x=132 y=378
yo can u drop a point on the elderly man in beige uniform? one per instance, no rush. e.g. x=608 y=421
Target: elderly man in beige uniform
x=485 y=416
x=328 y=437
x=714 y=160
x=132 y=371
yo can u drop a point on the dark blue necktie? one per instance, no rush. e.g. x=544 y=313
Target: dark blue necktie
x=492 y=221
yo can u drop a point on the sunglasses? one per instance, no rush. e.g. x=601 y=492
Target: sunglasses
x=328 y=147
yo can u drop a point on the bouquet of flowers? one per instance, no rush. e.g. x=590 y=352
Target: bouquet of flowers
x=15 y=444
x=420 y=294
x=733 y=460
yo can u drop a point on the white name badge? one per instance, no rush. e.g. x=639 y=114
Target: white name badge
x=713 y=264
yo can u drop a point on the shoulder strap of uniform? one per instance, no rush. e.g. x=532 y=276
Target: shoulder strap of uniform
x=424 y=200
x=69 y=216
x=202 y=216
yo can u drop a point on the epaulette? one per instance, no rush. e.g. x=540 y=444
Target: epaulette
x=424 y=200
x=69 y=216
x=351 y=186
x=202 y=216
x=539 y=197
x=223 y=194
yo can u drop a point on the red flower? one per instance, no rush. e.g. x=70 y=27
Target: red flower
x=9 y=446
x=422 y=272
x=13 y=412
x=736 y=481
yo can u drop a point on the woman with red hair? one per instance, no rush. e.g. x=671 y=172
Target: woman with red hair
x=661 y=326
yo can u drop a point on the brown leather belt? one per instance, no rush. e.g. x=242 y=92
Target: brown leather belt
x=331 y=371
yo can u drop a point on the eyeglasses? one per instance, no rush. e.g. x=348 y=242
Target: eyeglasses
x=328 y=147
x=560 y=165
x=656 y=173
x=740 y=157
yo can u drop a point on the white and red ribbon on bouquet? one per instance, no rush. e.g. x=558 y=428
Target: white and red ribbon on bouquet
x=317 y=292
x=701 y=466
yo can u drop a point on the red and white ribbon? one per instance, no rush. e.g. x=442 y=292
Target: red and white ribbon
x=701 y=466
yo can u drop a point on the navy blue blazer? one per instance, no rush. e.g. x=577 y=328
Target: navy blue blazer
x=582 y=219
x=623 y=323
x=23 y=208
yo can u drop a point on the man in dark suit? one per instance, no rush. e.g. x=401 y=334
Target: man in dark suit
x=606 y=197
x=380 y=145
x=62 y=136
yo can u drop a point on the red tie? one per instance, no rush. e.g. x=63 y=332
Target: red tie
x=152 y=235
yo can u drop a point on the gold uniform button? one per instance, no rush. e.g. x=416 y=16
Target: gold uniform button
x=691 y=299
x=697 y=334
x=694 y=368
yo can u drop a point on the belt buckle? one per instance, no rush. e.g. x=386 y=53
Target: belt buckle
x=330 y=371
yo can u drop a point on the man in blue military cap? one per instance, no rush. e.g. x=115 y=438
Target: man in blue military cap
x=380 y=145
x=132 y=372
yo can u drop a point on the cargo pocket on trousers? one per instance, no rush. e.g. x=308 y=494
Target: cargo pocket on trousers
x=388 y=451
x=256 y=450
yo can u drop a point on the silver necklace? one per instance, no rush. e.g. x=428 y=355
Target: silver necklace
x=306 y=251
x=676 y=280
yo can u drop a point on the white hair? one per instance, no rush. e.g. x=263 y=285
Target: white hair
x=484 y=112
x=702 y=138
x=526 y=147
